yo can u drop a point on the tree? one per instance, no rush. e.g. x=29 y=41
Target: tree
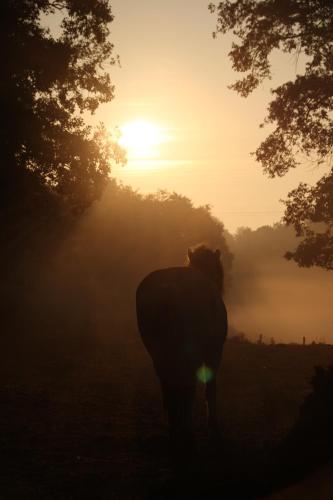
x=49 y=79
x=301 y=110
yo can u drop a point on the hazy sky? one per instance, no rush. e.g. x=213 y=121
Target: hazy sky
x=175 y=75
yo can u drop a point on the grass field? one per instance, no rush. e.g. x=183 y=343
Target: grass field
x=87 y=423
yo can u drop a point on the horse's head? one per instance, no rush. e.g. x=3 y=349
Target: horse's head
x=208 y=262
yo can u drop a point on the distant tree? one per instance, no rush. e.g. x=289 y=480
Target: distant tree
x=49 y=78
x=301 y=109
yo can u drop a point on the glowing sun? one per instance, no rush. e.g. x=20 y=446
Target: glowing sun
x=141 y=139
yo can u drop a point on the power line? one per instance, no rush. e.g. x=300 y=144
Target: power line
x=259 y=212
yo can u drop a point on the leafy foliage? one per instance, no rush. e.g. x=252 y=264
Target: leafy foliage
x=49 y=78
x=310 y=210
x=301 y=109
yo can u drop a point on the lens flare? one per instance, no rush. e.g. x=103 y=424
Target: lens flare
x=205 y=374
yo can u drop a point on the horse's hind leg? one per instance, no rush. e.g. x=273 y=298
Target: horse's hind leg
x=172 y=407
x=211 y=397
x=178 y=402
x=187 y=398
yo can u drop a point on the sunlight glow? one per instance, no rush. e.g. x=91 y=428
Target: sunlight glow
x=141 y=139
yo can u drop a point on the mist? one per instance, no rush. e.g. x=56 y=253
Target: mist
x=82 y=289
x=273 y=297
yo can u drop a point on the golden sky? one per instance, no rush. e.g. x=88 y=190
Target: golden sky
x=174 y=76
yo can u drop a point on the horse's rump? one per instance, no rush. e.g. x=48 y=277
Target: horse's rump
x=182 y=322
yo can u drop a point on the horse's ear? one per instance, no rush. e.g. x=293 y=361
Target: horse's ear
x=189 y=254
x=218 y=253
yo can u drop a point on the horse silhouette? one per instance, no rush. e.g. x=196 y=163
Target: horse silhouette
x=183 y=324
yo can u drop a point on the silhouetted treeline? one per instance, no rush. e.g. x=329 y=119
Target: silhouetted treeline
x=83 y=284
x=75 y=276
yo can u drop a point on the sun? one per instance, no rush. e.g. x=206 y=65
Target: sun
x=141 y=138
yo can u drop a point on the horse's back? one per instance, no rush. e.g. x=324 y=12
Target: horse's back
x=182 y=321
